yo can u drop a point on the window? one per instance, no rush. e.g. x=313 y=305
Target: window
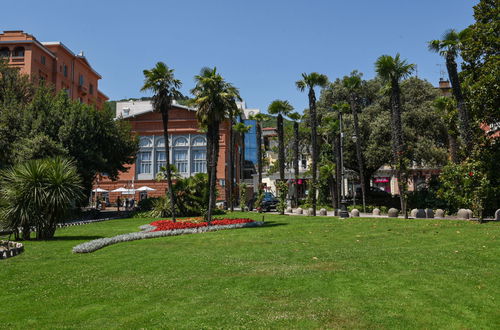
x=81 y=80
x=42 y=60
x=18 y=52
x=161 y=160
x=91 y=89
x=181 y=142
x=181 y=160
x=199 y=141
x=144 y=158
x=4 y=52
x=145 y=142
x=65 y=70
x=199 y=164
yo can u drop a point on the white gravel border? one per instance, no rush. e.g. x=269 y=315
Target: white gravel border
x=97 y=244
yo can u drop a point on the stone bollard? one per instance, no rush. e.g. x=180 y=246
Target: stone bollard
x=420 y=214
x=463 y=214
x=376 y=211
x=413 y=213
x=355 y=213
x=497 y=215
x=429 y=213
x=393 y=213
x=322 y=212
x=299 y=211
x=288 y=210
x=439 y=213
x=246 y=209
x=310 y=211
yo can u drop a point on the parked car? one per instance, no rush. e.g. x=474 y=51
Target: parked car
x=269 y=202
x=376 y=196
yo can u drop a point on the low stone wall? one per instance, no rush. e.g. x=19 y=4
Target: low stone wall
x=12 y=249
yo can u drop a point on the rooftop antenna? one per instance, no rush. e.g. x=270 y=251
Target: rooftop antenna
x=441 y=72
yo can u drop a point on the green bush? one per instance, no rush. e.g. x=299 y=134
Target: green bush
x=191 y=198
x=38 y=194
x=146 y=204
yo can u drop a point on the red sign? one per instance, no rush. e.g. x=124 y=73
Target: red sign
x=382 y=180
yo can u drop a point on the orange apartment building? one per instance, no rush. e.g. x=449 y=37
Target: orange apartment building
x=187 y=150
x=55 y=63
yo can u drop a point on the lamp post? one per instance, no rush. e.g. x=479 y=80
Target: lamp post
x=343 y=208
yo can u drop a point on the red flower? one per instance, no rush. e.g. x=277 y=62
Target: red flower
x=162 y=225
x=471 y=173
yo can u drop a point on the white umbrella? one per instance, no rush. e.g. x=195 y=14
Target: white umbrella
x=99 y=190
x=124 y=190
x=145 y=188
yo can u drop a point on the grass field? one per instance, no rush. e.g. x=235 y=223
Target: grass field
x=295 y=272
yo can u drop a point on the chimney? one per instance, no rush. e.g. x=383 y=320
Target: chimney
x=444 y=84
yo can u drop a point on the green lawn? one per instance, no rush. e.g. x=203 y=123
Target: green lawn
x=296 y=272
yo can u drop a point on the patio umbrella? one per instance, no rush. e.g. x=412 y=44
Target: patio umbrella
x=124 y=191
x=99 y=190
x=145 y=188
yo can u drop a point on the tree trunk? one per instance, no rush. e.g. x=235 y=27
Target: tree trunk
x=164 y=118
x=453 y=144
x=463 y=114
x=314 y=136
x=281 y=152
x=296 y=161
x=259 y=159
x=231 y=166
x=213 y=153
x=281 y=147
x=398 y=146
x=358 y=151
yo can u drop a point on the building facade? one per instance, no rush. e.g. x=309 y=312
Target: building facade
x=187 y=149
x=52 y=62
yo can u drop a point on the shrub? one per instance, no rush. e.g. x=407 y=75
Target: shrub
x=38 y=194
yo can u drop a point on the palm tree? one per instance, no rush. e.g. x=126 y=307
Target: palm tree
x=392 y=70
x=296 y=117
x=161 y=81
x=38 y=194
x=449 y=48
x=447 y=108
x=241 y=129
x=353 y=83
x=310 y=81
x=280 y=108
x=214 y=98
x=232 y=114
x=259 y=118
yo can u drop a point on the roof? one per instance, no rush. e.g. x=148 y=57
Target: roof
x=140 y=108
x=63 y=46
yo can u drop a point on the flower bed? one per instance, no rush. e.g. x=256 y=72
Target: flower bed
x=162 y=225
x=161 y=230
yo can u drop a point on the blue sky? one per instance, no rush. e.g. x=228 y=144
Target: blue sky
x=261 y=47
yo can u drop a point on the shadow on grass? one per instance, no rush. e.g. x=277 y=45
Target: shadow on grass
x=271 y=224
x=75 y=238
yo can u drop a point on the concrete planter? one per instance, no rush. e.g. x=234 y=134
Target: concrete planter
x=393 y=213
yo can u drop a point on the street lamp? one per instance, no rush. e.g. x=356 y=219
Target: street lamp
x=343 y=208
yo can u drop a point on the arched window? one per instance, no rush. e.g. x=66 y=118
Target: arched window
x=145 y=142
x=181 y=142
x=160 y=143
x=4 y=52
x=18 y=52
x=199 y=141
